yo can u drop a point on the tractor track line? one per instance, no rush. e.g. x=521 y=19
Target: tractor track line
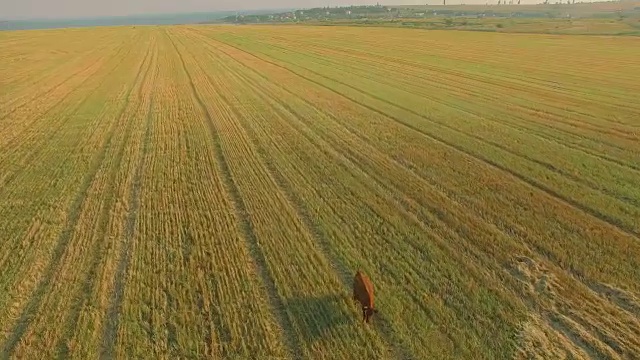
x=222 y=330
x=46 y=92
x=522 y=124
x=97 y=250
x=478 y=81
x=114 y=310
x=99 y=246
x=246 y=227
x=516 y=82
x=541 y=83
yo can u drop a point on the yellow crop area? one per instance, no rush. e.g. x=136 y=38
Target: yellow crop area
x=210 y=192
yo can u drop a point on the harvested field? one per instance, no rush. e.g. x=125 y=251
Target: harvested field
x=210 y=191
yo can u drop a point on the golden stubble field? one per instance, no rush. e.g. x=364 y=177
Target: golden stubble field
x=209 y=192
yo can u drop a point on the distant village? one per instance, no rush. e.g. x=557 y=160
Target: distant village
x=325 y=13
x=501 y=8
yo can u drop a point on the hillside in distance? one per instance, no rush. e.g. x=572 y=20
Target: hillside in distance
x=210 y=192
x=571 y=18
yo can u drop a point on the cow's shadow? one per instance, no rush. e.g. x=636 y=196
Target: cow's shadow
x=319 y=316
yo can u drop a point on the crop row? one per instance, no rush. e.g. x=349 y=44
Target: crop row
x=191 y=287
x=66 y=193
x=34 y=62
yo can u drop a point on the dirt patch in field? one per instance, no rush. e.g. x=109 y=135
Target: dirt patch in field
x=539 y=340
x=536 y=279
x=622 y=298
x=570 y=322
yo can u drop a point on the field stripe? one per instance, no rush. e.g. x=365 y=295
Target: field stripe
x=541 y=159
x=109 y=336
x=59 y=124
x=39 y=96
x=247 y=229
x=99 y=252
x=409 y=81
x=475 y=54
x=257 y=213
x=624 y=197
x=204 y=288
x=436 y=71
x=37 y=153
x=50 y=73
x=25 y=127
x=479 y=86
x=615 y=222
x=22 y=119
x=61 y=247
x=338 y=264
x=44 y=224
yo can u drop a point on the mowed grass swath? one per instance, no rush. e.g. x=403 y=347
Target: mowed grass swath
x=209 y=192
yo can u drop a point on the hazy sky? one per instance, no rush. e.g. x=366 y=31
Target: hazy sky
x=75 y=8
x=13 y=9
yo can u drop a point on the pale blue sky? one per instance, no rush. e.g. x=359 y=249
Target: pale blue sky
x=12 y=9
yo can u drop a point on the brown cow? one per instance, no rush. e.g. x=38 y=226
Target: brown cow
x=363 y=293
